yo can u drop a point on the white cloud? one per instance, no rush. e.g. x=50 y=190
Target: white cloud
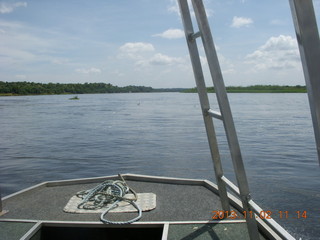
x=9 y=7
x=20 y=76
x=21 y=44
x=135 y=47
x=159 y=59
x=225 y=64
x=136 y=51
x=173 y=7
x=142 y=54
x=171 y=34
x=238 y=22
x=11 y=56
x=277 y=53
x=88 y=70
x=277 y=22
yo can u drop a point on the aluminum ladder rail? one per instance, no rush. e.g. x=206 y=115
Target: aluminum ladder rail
x=242 y=190
x=225 y=112
x=309 y=45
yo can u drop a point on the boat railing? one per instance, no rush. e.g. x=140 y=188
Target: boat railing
x=1 y=206
x=260 y=214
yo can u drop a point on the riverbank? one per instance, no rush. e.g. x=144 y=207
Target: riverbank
x=257 y=89
x=31 y=88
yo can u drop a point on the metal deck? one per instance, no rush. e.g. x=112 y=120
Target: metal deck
x=174 y=203
x=183 y=211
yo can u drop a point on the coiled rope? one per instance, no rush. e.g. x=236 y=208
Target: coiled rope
x=109 y=192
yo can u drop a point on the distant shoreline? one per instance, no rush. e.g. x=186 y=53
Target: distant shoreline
x=31 y=88
x=257 y=89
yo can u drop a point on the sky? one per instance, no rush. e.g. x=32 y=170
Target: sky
x=141 y=42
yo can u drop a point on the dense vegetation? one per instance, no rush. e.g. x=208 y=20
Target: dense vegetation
x=31 y=88
x=258 y=89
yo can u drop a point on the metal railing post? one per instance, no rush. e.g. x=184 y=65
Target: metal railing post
x=309 y=45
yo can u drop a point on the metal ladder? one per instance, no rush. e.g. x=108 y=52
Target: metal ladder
x=304 y=18
x=226 y=116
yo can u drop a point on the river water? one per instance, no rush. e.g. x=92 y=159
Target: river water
x=51 y=137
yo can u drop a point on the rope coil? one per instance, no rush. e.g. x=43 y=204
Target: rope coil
x=109 y=192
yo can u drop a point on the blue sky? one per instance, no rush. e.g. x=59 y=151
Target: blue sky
x=140 y=42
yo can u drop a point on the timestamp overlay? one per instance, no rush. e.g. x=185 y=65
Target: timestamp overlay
x=281 y=214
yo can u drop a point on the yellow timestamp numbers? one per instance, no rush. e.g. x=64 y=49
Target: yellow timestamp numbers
x=262 y=214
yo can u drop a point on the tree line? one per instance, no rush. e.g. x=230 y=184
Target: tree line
x=32 y=88
x=257 y=89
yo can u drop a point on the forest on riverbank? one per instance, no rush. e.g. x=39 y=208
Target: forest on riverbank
x=32 y=88
x=257 y=89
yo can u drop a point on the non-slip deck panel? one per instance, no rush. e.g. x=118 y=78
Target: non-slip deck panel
x=225 y=231
x=14 y=230
x=174 y=203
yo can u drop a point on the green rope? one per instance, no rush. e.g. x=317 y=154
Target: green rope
x=109 y=192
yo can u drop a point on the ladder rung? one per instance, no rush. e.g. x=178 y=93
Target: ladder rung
x=232 y=186
x=193 y=36
x=215 y=114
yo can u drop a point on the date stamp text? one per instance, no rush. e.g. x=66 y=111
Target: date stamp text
x=262 y=214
